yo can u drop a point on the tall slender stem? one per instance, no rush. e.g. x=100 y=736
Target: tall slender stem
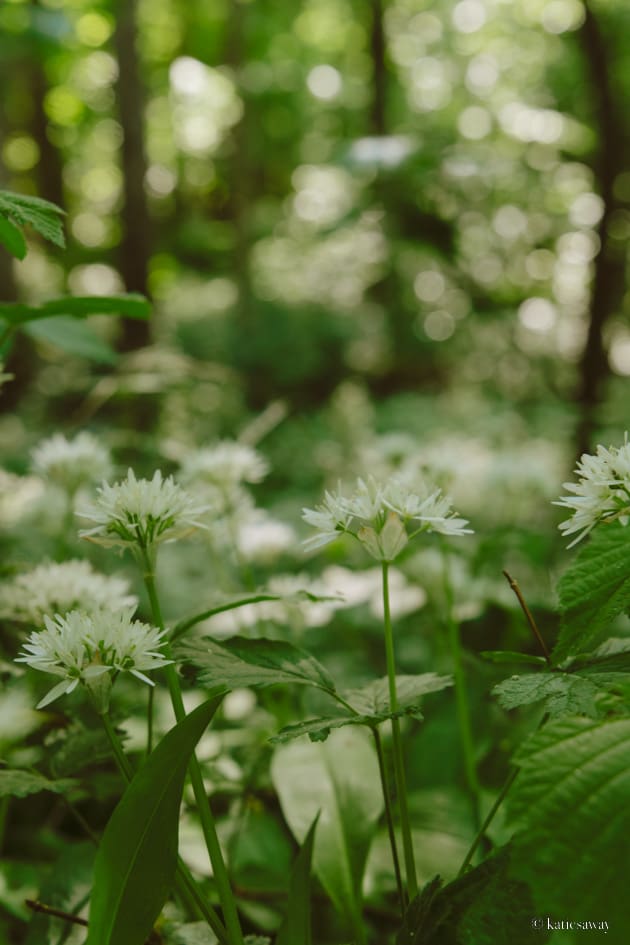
x=226 y=896
x=389 y=817
x=488 y=820
x=461 y=697
x=399 y=768
x=186 y=885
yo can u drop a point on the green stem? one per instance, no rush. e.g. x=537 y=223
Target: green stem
x=489 y=818
x=389 y=817
x=150 y=708
x=4 y=816
x=186 y=886
x=461 y=697
x=226 y=896
x=399 y=768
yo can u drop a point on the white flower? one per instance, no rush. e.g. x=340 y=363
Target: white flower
x=71 y=464
x=82 y=647
x=142 y=512
x=383 y=517
x=602 y=493
x=56 y=588
x=225 y=464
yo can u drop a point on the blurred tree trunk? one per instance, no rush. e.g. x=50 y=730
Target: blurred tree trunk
x=49 y=170
x=608 y=277
x=135 y=247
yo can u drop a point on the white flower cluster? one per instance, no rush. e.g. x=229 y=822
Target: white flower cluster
x=56 y=588
x=72 y=464
x=379 y=516
x=83 y=647
x=141 y=513
x=226 y=464
x=602 y=493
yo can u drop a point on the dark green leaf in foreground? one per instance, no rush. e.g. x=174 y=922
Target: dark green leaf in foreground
x=297 y=923
x=508 y=656
x=131 y=305
x=594 y=590
x=12 y=239
x=136 y=860
x=43 y=216
x=16 y=783
x=240 y=662
x=571 y=801
x=485 y=906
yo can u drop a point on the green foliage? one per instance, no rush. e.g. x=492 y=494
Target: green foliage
x=62 y=885
x=43 y=216
x=562 y=693
x=11 y=238
x=297 y=923
x=338 y=779
x=16 y=783
x=73 y=337
x=131 y=305
x=593 y=591
x=571 y=802
x=241 y=662
x=372 y=706
x=137 y=855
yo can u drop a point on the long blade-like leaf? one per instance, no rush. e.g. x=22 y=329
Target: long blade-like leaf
x=136 y=860
x=297 y=922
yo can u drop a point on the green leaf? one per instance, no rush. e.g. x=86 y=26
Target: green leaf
x=594 y=590
x=16 y=783
x=240 y=662
x=296 y=926
x=131 y=305
x=340 y=778
x=73 y=337
x=373 y=699
x=12 y=239
x=43 y=216
x=485 y=906
x=571 y=801
x=507 y=656
x=136 y=859
x=320 y=728
x=62 y=885
x=563 y=693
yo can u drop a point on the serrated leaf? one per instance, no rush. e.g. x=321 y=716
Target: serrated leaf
x=485 y=906
x=373 y=699
x=562 y=693
x=12 y=239
x=593 y=591
x=571 y=801
x=17 y=783
x=137 y=856
x=340 y=778
x=73 y=337
x=131 y=305
x=319 y=729
x=76 y=748
x=43 y=216
x=239 y=662
x=296 y=926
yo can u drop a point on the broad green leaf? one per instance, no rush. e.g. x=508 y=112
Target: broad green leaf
x=16 y=783
x=240 y=662
x=340 y=778
x=136 y=859
x=131 y=305
x=373 y=699
x=507 y=656
x=563 y=693
x=571 y=801
x=593 y=590
x=43 y=216
x=297 y=923
x=485 y=906
x=12 y=239
x=320 y=728
x=73 y=337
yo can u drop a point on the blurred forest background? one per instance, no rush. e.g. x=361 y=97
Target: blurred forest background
x=368 y=230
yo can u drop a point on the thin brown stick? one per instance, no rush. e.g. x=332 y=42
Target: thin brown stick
x=58 y=913
x=528 y=616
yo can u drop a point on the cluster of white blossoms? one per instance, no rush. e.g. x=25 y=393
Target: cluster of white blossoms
x=226 y=464
x=141 y=513
x=82 y=648
x=72 y=464
x=56 y=588
x=383 y=517
x=602 y=493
